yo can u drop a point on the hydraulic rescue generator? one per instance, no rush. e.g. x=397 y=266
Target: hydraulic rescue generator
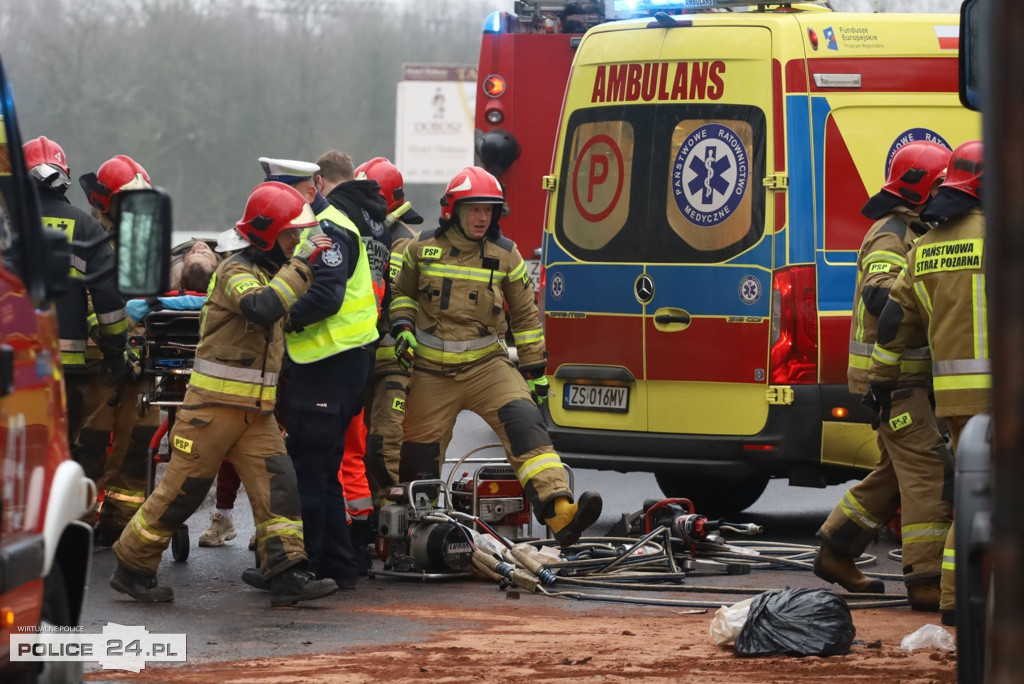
x=416 y=532
x=423 y=527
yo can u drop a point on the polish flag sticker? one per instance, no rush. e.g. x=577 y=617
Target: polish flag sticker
x=949 y=37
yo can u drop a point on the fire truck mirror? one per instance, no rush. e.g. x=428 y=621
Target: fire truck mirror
x=143 y=241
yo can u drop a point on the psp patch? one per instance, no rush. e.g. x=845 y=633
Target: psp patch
x=710 y=174
x=332 y=257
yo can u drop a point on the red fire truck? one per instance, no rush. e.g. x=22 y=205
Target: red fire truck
x=524 y=63
x=45 y=546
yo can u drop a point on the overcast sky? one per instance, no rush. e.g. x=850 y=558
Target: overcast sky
x=858 y=5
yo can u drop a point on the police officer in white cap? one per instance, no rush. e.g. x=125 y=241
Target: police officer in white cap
x=329 y=338
x=298 y=174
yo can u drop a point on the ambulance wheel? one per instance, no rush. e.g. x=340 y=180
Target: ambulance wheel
x=712 y=496
x=179 y=544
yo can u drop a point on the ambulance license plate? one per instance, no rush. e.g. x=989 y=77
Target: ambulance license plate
x=595 y=398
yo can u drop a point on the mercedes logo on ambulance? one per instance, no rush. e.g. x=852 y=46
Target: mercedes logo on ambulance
x=644 y=288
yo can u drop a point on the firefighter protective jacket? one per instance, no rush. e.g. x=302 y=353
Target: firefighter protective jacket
x=882 y=257
x=385 y=363
x=942 y=293
x=73 y=306
x=453 y=289
x=241 y=333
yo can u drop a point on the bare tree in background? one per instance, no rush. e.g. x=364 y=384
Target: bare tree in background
x=196 y=90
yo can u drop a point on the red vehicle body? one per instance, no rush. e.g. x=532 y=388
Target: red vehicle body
x=45 y=548
x=524 y=65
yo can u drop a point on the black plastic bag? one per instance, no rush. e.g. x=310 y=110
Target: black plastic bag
x=796 y=622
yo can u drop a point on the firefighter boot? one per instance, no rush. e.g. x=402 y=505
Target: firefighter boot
x=140 y=587
x=294 y=585
x=924 y=596
x=255 y=578
x=832 y=566
x=571 y=519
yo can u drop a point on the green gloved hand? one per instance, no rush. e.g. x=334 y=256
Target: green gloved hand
x=405 y=348
x=538 y=389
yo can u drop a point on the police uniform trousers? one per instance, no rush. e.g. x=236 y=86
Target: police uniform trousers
x=113 y=447
x=200 y=440
x=322 y=398
x=495 y=391
x=947 y=586
x=914 y=473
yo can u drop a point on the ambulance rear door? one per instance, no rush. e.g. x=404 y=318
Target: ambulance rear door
x=659 y=265
x=594 y=257
x=707 y=283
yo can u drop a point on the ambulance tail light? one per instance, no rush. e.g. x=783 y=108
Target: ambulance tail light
x=794 y=335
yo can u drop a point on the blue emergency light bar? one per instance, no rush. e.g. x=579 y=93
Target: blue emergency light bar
x=496 y=22
x=654 y=5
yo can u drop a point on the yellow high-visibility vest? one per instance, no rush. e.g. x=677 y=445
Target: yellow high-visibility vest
x=355 y=323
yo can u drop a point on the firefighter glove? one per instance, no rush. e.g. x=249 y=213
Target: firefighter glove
x=309 y=248
x=118 y=369
x=393 y=217
x=878 y=400
x=538 y=389
x=405 y=348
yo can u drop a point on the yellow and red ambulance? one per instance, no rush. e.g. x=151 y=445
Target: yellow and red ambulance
x=702 y=230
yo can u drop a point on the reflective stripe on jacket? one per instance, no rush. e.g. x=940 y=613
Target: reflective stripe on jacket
x=882 y=257
x=456 y=289
x=942 y=293
x=90 y=255
x=238 y=360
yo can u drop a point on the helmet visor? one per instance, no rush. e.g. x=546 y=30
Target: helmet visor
x=305 y=219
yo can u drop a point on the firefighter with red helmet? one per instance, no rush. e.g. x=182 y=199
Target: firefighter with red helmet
x=449 y=297
x=48 y=166
x=228 y=408
x=118 y=464
x=390 y=382
x=915 y=469
x=118 y=173
x=941 y=296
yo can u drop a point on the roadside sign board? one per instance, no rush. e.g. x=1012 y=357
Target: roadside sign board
x=434 y=121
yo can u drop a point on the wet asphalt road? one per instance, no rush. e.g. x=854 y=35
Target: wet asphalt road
x=227 y=620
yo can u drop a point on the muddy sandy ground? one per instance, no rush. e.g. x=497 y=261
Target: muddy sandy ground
x=536 y=641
